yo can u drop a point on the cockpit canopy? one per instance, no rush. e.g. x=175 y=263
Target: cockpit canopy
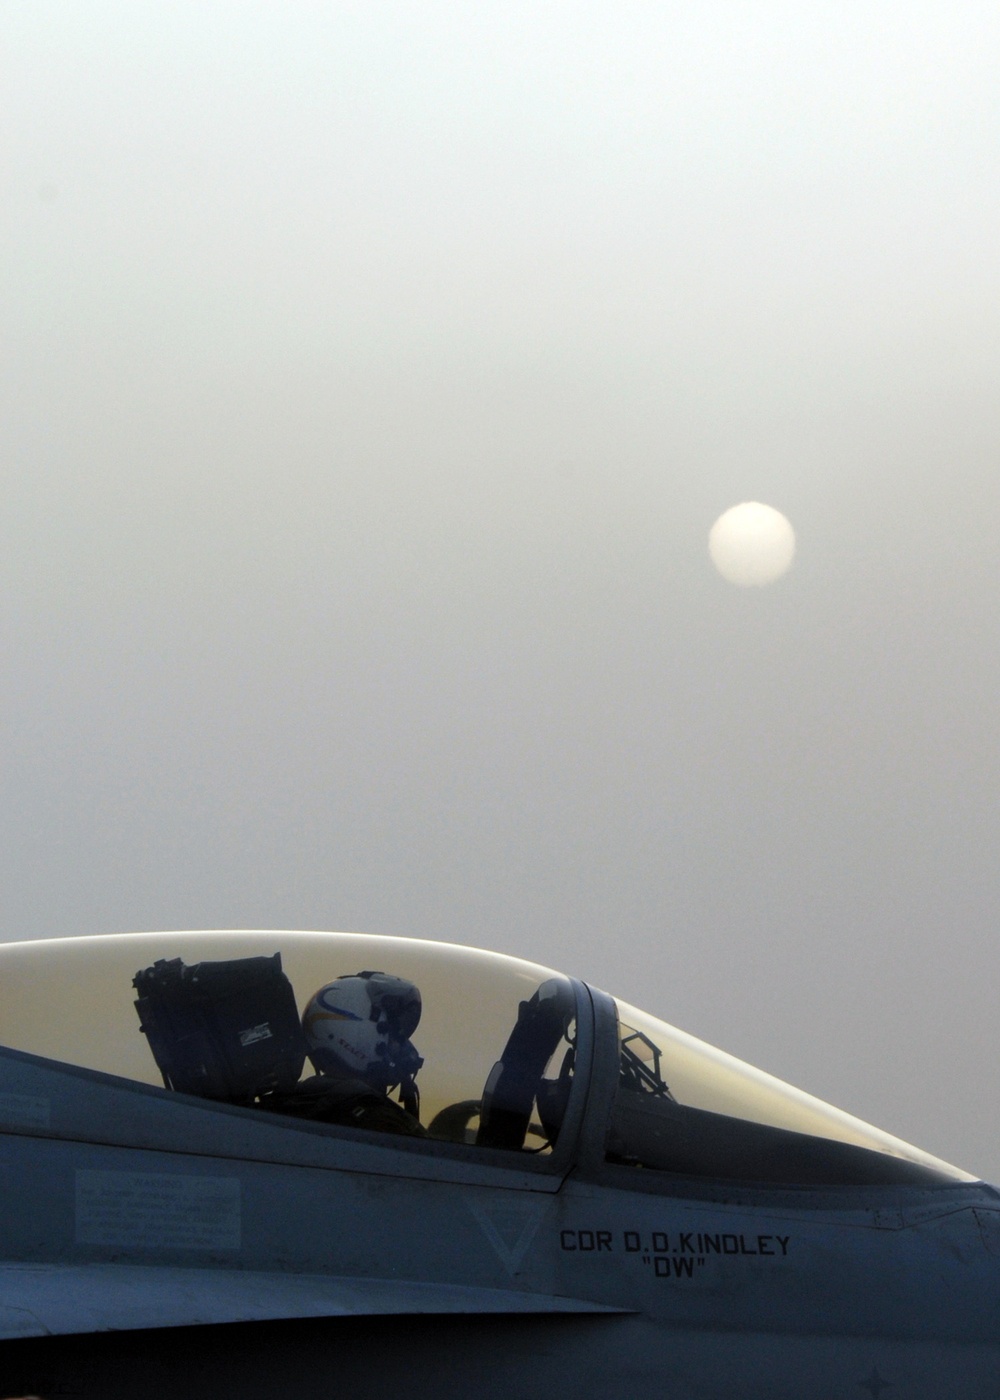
x=73 y=1000
x=495 y=1051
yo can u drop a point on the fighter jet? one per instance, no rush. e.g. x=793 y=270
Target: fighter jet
x=305 y=1164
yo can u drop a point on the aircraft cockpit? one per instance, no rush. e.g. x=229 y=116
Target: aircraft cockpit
x=229 y=1016
x=457 y=1050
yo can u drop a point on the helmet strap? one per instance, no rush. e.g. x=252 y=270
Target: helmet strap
x=409 y=1096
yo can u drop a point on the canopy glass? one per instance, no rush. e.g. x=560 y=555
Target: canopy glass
x=663 y=1066
x=73 y=1000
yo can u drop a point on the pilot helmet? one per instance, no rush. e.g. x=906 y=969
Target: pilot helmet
x=362 y=1025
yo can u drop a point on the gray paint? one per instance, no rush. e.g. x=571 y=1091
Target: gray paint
x=63 y=1299
x=524 y=1272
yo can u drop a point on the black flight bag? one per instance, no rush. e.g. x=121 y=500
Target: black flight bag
x=222 y=1030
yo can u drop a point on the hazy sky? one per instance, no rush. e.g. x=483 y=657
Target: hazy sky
x=373 y=373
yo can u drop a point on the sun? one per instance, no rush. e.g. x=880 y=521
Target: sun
x=752 y=544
